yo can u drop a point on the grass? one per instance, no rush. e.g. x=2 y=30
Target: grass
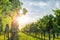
x=27 y=37
x=23 y=36
x=51 y=37
x=1 y=37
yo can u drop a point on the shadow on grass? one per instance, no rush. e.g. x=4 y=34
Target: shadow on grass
x=34 y=36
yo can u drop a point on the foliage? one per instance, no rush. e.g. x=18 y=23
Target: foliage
x=48 y=24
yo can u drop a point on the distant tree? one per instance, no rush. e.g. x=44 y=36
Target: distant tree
x=1 y=26
x=57 y=14
x=49 y=24
x=14 y=31
x=6 y=32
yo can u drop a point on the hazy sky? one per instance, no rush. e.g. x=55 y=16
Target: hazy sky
x=39 y=8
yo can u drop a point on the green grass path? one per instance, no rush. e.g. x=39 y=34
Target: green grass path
x=23 y=36
x=27 y=37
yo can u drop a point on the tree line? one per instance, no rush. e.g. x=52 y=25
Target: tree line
x=49 y=24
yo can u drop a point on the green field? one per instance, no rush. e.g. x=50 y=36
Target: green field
x=27 y=37
x=23 y=36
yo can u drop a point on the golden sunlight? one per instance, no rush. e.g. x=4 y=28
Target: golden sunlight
x=21 y=21
x=21 y=12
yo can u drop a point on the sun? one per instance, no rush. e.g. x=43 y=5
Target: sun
x=21 y=20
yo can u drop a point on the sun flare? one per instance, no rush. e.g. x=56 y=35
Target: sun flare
x=21 y=21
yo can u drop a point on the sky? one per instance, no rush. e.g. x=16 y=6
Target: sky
x=37 y=9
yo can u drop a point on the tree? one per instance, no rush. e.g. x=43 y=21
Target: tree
x=1 y=26
x=49 y=25
x=10 y=8
x=57 y=14
x=6 y=32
